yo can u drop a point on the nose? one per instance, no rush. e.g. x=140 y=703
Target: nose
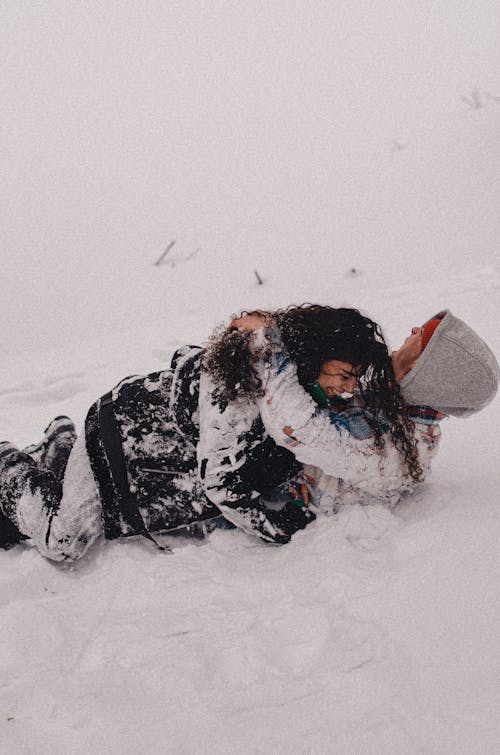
x=416 y=331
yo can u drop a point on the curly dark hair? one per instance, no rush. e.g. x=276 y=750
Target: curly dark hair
x=314 y=334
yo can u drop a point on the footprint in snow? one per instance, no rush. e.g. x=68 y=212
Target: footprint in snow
x=53 y=389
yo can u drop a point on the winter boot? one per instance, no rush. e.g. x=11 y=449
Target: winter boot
x=9 y=533
x=53 y=451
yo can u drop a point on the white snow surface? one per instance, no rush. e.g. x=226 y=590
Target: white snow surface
x=349 y=153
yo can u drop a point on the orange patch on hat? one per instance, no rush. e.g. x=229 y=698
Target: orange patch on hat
x=428 y=330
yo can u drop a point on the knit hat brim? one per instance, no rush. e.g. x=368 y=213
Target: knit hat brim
x=429 y=328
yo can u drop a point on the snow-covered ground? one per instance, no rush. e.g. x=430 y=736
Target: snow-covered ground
x=349 y=153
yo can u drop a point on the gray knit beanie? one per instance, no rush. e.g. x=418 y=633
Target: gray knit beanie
x=456 y=374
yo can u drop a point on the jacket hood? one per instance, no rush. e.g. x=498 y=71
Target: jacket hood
x=456 y=374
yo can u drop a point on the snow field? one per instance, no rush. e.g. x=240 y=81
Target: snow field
x=338 y=151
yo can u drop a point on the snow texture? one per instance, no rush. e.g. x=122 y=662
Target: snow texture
x=349 y=154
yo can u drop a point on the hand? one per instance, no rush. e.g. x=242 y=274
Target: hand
x=301 y=488
x=403 y=361
x=252 y=321
x=404 y=358
x=289 y=520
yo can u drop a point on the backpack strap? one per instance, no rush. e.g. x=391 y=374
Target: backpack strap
x=112 y=443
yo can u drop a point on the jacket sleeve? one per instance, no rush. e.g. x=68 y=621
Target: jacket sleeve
x=293 y=419
x=225 y=439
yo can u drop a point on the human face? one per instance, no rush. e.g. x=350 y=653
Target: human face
x=338 y=377
x=405 y=357
x=412 y=345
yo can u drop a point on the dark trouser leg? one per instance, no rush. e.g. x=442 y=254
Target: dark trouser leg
x=62 y=520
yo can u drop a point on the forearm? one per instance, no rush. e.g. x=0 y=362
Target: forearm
x=294 y=421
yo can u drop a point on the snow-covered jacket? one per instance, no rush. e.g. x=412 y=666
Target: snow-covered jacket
x=329 y=492
x=344 y=464
x=173 y=427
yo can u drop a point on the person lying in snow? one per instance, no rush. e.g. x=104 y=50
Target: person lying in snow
x=443 y=368
x=184 y=445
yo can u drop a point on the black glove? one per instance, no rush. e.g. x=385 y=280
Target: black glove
x=289 y=520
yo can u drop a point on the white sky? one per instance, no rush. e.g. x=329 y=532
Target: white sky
x=262 y=131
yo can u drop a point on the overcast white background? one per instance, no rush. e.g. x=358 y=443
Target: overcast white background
x=269 y=135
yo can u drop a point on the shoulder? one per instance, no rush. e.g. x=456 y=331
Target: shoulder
x=184 y=354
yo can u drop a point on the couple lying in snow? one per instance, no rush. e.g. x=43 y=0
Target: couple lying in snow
x=282 y=415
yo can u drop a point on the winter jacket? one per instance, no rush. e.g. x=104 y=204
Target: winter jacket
x=172 y=426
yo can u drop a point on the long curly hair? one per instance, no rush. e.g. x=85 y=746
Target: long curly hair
x=314 y=334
